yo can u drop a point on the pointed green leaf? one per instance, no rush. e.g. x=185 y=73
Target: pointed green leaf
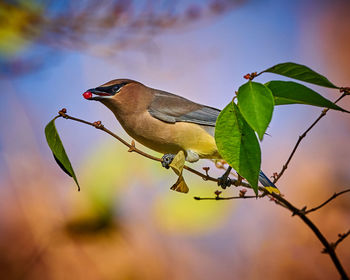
x=300 y=72
x=294 y=93
x=256 y=103
x=59 y=153
x=238 y=144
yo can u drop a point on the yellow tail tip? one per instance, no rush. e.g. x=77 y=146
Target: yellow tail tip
x=271 y=189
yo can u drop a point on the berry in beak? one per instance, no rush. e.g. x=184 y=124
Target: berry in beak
x=87 y=94
x=96 y=94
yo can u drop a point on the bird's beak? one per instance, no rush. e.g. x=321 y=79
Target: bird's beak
x=95 y=94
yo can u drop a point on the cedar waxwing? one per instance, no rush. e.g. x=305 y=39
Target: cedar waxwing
x=164 y=122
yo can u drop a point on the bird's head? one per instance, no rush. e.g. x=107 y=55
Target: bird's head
x=108 y=90
x=120 y=94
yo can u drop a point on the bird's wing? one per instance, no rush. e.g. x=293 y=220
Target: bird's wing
x=172 y=108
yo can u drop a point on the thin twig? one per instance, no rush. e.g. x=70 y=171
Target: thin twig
x=132 y=147
x=327 y=201
x=328 y=247
x=229 y=197
x=301 y=137
x=341 y=236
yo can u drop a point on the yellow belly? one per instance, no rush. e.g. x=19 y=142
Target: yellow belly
x=171 y=138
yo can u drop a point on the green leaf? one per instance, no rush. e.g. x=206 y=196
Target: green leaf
x=300 y=72
x=256 y=103
x=59 y=153
x=294 y=93
x=238 y=144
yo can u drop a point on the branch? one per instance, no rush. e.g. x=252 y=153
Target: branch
x=132 y=148
x=340 y=239
x=241 y=196
x=301 y=137
x=228 y=198
x=329 y=248
x=327 y=201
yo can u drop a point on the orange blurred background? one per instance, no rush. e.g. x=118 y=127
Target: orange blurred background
x=125 y=223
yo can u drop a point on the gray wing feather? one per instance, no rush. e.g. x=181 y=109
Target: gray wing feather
x=205 y=115
x=172 y=108
x=161 y=116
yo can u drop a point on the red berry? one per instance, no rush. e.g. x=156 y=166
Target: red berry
x=87 y=95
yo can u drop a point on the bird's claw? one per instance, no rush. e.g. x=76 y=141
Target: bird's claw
x=224 y=181
x=167 y=159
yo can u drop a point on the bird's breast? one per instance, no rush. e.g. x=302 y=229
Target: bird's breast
x=169 y=137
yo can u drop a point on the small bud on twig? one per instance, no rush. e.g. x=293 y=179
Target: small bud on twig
x=217 y=193
x=63 y=112
x=206 y=169
x=345 y=90
x=242 y=192
x=97 y=124
x=132 y=147
x=250 y=76
x=246 y=76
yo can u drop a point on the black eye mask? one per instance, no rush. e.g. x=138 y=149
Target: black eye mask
x=111 y=90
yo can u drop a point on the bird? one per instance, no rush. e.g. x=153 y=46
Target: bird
x=164 y=122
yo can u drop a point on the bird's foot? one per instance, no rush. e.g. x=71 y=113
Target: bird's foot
x=224 y=181
x=167 y=159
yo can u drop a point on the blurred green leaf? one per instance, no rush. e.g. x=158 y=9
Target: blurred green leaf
x=300 y=72
x=256 y=103
x=238 y=144
x=294 y=93
x=59 y=153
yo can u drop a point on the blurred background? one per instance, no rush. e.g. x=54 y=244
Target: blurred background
x=126 y=223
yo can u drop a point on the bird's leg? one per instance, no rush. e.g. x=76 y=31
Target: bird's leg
x=224 y=180
x=167 y=159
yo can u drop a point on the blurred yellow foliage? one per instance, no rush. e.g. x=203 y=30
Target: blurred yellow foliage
x=16 y=26
x=108 y=174
x=178 y=213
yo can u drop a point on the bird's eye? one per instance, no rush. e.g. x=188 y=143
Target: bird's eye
x=117 y=88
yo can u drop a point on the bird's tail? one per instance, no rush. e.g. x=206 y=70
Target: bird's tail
x=266 y=182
